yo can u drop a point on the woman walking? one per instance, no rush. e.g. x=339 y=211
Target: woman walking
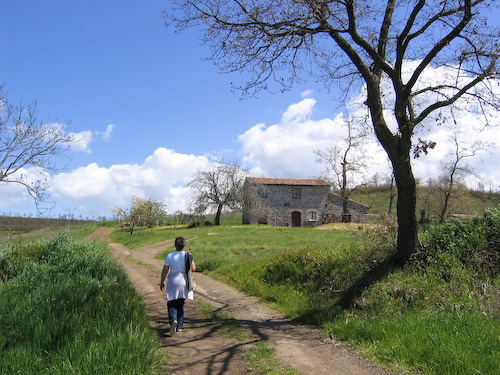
x=177 y=286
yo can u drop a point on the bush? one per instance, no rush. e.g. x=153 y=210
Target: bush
x=472 y=242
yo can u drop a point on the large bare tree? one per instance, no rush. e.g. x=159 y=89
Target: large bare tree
x=217 y=187
x=388 y=47
x=27 y=142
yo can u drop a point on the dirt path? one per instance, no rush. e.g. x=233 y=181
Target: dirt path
x=204 y=349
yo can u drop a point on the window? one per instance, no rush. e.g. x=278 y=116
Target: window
x=312 y=215
x=296 y=193
x=263 y=193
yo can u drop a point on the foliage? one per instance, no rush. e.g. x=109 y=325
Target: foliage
x=142 y=212
x=68 y=308
x=474 y=243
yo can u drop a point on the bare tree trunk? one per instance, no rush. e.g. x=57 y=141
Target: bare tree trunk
x=407 y=242
x=391 y=195
x=217 y=215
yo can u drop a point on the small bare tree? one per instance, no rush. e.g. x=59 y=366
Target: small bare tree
x=24 y=142
x=217 y=188
x=345 y=161
x=455 y=168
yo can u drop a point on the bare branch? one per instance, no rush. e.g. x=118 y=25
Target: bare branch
x=27 y=142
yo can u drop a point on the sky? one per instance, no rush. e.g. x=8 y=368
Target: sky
x=148 y=110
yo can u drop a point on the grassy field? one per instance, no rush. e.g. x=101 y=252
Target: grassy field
x=27 y=230
x=437 y=315
x=67 y=308
x=469 y=203
x=440 y=314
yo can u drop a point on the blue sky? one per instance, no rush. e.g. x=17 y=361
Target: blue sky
x=149 y=111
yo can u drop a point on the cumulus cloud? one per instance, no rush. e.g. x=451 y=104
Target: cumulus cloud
x=81 y=141
x=283 y=149
x=287 y=149
x=162 y=176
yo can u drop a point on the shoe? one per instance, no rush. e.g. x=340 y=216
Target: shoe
x=179 y=329
x=173 y=328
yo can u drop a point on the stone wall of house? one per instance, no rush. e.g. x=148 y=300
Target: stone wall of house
x=279 y=205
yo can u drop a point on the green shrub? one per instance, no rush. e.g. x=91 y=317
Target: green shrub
x=472 y=242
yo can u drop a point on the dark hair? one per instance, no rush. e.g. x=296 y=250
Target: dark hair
x=180 y=242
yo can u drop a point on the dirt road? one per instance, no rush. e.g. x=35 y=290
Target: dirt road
x=204 y=349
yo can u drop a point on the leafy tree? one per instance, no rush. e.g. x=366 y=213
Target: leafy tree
x=218 y=187
x=127 y=216
x=142 y=212
x=25 y=141
x=148 y=211
x=389 y=48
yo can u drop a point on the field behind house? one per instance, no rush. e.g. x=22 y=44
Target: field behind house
x=466 y=202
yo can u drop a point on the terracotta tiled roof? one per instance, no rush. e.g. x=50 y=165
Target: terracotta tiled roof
x=287 y=181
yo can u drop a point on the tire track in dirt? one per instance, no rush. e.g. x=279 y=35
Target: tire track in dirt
x=204 y=349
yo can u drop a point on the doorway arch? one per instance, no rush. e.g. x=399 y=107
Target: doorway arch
x=296 y=218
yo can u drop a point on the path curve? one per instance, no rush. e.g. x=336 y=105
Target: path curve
x=203 y=349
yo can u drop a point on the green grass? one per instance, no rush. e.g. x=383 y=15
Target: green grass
x=437 y=343
x=79 y=231
x=437 y=315
x=261 y=360
x=68 y=308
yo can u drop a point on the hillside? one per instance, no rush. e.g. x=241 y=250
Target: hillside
x=25 y=224
x=466 y=202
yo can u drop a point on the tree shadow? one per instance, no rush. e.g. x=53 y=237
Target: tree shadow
x=373 y=275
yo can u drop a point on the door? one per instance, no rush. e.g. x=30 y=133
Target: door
x=296 y=219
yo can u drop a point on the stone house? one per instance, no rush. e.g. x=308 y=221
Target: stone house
x=295 y=202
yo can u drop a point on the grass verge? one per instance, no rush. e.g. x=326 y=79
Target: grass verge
x=68 y=308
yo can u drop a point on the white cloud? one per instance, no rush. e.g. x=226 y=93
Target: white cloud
x=284 y=149
x=287 y=149
x=106 y=135
x=162 y=176
x=81 y=141
x=307 y=93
